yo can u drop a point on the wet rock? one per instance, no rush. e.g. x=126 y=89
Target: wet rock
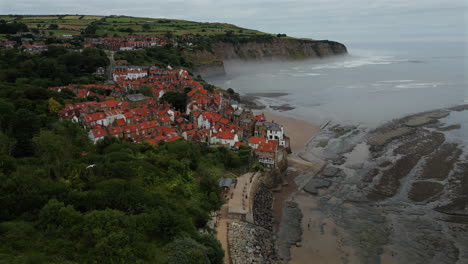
x=290 y=230
x=316 y=183
x=330 y=171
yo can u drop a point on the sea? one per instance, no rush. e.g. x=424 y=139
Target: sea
x=372 y=85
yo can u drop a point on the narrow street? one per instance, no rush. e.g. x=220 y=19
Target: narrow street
x=111 y=66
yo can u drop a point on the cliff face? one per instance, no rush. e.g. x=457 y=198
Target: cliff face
x=279 y=49
x=211 y=63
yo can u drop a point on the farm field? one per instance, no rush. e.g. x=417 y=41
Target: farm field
x=124 y=25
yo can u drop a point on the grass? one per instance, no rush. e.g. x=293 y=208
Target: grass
x=60 y=32
x=113 y=25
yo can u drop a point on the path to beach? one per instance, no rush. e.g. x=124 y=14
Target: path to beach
x=221 y=231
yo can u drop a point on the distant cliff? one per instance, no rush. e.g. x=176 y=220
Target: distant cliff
x=211 y=62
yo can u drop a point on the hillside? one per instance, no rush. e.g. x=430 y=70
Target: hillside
x=204 y=45
x=124 y=25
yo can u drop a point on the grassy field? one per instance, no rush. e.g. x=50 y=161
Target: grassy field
x=139 y=25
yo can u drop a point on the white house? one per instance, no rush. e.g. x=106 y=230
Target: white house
x=137 y=74
x=274 y=132
x=225 y=138
x=203 y=122
x=97 y=134
x=112 y=117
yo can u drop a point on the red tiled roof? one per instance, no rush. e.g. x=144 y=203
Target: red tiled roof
x=267 y=147
x=257 y=140
x=165 y=119
x=98 y=132
x=115 y=130
x=225 y=135
x=121 y=122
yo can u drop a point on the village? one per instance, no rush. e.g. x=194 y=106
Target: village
x=211 y=117
x=28 y=43
x=156 y=104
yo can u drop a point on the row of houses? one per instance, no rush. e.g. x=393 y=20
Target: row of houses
x=127 y=42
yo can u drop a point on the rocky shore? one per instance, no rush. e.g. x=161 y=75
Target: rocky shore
x=396 y=194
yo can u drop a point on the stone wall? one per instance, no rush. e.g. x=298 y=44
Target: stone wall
x=250 y=244
x=262 y=208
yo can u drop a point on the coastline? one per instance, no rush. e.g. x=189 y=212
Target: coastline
x=342 y=221
x=311 y=226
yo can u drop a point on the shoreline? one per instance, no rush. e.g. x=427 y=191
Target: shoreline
x=345 y=222
x=327 y=209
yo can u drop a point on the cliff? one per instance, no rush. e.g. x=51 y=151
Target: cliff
x=278 y=49
x=211 y=62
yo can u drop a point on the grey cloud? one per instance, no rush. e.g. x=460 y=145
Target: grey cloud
x=343 y=20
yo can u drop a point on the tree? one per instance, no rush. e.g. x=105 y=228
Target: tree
x=230 y=91
x=53 y=149
x=146 y=27
x=178 y=100
x=54 y=106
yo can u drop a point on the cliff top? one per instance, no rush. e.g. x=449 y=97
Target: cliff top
x=125 y=25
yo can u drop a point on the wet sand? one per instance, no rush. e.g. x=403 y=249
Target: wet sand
x=321 y=238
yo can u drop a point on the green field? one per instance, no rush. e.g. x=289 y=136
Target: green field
x=120 y=25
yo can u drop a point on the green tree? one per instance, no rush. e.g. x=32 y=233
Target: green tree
x=178 y=100
x=146 y=27
x=54 y=106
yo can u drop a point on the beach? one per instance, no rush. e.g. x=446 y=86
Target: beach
x=350 y=208
x=320 y=240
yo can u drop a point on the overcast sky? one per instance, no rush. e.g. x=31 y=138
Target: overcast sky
x=341 y=20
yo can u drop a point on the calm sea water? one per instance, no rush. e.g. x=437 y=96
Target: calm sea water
x=375 y=83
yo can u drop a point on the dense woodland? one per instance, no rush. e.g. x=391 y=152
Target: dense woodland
x=159 y=56
x=65 y=200
x=56 y=66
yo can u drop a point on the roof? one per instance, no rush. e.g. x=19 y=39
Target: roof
x=109 y=104
x=115 y=130
x=270 y=125
x=268 y=147
x=225 y=182
x=257 y=140
x=99 y=132
x=260 y=118
x=136 y=97
x=121 y=122
x=226 y=135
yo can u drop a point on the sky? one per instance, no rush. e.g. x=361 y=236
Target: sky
x=341 y=20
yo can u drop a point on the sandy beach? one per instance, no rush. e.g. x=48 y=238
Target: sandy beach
x=321 y=238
